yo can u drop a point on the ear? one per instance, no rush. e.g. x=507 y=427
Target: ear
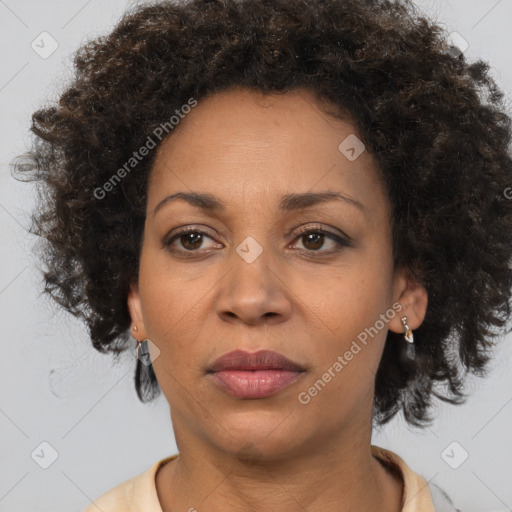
x=413 y=298
x=135 y=309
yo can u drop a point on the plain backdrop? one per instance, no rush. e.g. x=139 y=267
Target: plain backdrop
x=56 y=390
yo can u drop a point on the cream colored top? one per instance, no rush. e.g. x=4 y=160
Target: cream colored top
x=139 y=493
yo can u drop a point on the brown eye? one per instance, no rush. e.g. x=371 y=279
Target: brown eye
x=191 y=241
x=187 y=240
x=314 y=240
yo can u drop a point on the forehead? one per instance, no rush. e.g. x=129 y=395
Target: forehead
x=241 y=142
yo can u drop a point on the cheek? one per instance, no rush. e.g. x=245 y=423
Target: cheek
x=351 y=332
x=348 y=301
x=347 y=356
x=166 y=317
x=167 y=304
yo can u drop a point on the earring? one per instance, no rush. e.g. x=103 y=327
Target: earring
x=146 y=384
x=409 y=351
x=142 y=352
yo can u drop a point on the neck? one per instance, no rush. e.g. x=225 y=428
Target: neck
x=341 y=475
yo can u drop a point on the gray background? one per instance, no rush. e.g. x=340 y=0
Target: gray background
x=55 y=388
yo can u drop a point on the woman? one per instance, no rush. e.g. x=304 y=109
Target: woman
x=298 y=210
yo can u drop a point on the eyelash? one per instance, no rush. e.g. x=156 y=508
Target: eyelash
x=340 y=241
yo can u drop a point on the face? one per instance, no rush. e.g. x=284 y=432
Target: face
x=267 y=267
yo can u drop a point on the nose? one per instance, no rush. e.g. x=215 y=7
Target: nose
x=254 y=292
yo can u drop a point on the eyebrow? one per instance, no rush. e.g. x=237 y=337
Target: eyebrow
x=289 y=202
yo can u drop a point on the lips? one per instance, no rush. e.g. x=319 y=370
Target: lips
x=261 y=360
x=257 y=375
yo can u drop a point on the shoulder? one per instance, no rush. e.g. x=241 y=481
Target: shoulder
x=441 y=500
x=138 y=494
x=418 y=493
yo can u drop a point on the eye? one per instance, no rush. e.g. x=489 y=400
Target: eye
x=314 y=239
x=189 y=239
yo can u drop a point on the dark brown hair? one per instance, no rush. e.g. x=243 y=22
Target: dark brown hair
x=434 y=123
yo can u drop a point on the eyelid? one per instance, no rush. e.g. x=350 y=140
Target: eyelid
x=323 y=229
x=195 y=228
x=342 y=241
x=340 y=238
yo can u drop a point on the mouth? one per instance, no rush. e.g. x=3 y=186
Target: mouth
x=257 y=361
x=257 y=375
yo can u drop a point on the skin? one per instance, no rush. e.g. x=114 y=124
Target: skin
x=249 y=150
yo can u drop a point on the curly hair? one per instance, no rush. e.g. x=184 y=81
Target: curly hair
x=434 y=123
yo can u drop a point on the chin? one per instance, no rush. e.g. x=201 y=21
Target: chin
x=258 y=435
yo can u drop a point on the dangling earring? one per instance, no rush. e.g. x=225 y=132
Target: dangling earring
x=142 y=352
x=409 y=352
x=146 y=384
